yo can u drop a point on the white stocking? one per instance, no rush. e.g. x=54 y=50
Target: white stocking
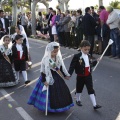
x=24 y=73
x=92 y=97
x=17 y=73
x=78 y=97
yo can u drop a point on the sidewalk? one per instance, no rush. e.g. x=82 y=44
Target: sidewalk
x=71 y=49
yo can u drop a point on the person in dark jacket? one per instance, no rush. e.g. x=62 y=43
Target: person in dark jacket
x=4 y=22
x=94 y=14
x=2 y=33
x=82 y=66
x=89 y=25
x=60 y=29
x=49 y=18
x=79 y=28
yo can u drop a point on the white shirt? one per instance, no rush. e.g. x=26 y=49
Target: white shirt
x=86 y=59
x=19 y=48
x=113 y=20
x=3 y=22
x=73 y=18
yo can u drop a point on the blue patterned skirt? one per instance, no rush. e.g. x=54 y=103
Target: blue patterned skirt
x=59 y=98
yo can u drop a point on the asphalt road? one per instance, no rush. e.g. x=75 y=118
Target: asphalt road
x=106 y=78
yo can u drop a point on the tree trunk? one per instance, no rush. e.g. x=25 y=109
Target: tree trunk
x=34 y=17
x=62 y=7
x=100 y=2
x=14 y=9
x=30 y=1
x=66 y=6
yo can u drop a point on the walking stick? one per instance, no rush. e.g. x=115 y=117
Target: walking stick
x=46 y=101
x=9 y=31
x=109 y=43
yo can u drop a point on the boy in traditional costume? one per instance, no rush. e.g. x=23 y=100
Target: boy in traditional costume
x=82 y=66
x=20 y=56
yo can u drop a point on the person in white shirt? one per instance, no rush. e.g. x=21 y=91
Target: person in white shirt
x=113 y=22
x=20 y=56
x=82 y=66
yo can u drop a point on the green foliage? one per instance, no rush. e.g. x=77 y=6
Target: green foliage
x=10 y=2
x=96 y=7
x=57 y=7
x=7 y=8
x=115 y=4
x=44 y=13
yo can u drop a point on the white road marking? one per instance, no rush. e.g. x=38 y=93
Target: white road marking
x=36 y=64
x=68 y=56
x=37 y=70
x=42 y=46
x=6 y=95
x=64 y=54
x=118 y=117
x=72 y=91
x=69 y=115
x=23 y=113
x=20 y=110
x=33 y=81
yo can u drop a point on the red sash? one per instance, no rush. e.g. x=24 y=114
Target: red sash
x=86 y=72
x=18 y=56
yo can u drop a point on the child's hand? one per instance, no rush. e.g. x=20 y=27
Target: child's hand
x=67 y=77
x=99 y=59
x=46 y=84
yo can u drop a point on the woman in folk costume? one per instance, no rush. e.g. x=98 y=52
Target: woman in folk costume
x=7 y=73
x=54 y=71
x=20 y=31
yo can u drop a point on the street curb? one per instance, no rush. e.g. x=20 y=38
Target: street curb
x=38 y=40
x=46 y=42
x=71 y=49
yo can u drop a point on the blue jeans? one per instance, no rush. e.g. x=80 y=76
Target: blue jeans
x=115 y=36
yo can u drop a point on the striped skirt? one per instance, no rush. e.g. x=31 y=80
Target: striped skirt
x=59 y=100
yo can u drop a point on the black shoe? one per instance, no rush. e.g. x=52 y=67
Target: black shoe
x=97 y=107
x=28 y=81
x=79 y=103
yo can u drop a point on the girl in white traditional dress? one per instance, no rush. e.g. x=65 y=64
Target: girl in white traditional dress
x=7 y=72
x=53 y=73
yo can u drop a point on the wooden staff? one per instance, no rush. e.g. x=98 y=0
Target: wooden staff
x=46 y=111
x=109 y=43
